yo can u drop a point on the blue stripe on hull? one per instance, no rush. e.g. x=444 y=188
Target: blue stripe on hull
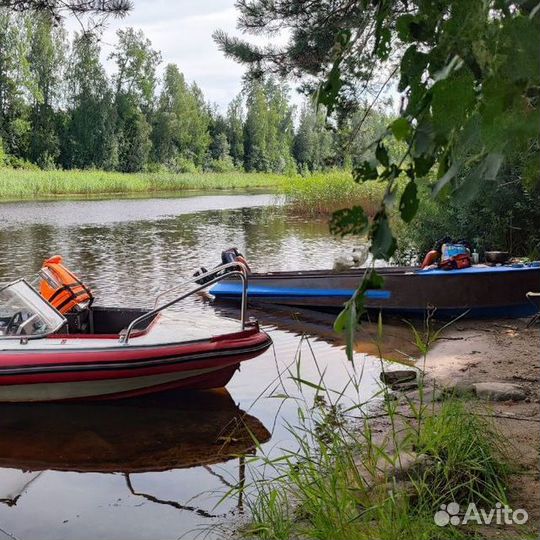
x=234 y=289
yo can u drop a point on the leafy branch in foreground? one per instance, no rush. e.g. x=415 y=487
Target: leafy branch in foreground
x=468 y=77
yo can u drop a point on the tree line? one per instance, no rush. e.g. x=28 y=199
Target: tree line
x=59 y=108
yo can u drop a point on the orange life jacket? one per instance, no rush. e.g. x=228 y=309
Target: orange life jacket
x=61 y=288
x=462 y=260
x=430 y=258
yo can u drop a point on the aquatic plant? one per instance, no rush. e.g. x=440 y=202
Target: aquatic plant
x=322 y=194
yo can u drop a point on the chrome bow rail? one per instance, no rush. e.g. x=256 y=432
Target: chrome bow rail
x=219 y=273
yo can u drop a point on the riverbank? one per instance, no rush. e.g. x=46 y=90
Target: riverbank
x=314 y=196
x=393 y=472
x=501 y=352
x=21 y=184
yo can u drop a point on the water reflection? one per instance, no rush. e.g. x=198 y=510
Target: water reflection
x=129 y=261
x=154 y=433
x=144 y=435
x=396 y=344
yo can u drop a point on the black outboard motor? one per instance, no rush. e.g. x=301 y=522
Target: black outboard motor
x=227 y=256
x=233 y=255
x=230 y=255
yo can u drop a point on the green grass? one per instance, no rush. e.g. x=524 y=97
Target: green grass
x=323 y=193
x=17 y=184
x=338 y=483
x=321 y=492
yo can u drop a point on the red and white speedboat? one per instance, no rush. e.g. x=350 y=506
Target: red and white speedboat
x=106 y=353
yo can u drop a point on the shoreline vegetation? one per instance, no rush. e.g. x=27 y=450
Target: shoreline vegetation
x=321 y=194
x=390 y=471
x=22 y=184
x=315 y=195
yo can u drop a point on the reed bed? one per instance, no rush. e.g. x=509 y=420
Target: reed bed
x=17 y=184
x=324 y=193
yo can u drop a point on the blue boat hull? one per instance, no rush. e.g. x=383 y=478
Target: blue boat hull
x=478 y=292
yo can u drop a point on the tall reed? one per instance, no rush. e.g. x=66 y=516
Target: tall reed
x=16 y=184
x=323 y=193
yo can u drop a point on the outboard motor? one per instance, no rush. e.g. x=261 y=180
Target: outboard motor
x=233 y=255
x=227 y=256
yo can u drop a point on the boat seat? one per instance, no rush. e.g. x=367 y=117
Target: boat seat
x=79 y=321
x=535 y=318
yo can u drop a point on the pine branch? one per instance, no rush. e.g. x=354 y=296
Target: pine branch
x=56 y=8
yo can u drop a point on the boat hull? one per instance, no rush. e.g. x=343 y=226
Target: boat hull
x=75 y=370
x=478 y=292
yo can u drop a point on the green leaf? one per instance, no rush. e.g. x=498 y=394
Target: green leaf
x=403 y=24
x=453 y=99
x=329 y=90
x=412 y=67
x=305 y=382
x=383 y=243
x=408 y=205
x=365 y=171
x=342 y=320
x=448 y=175
x=372 y=280
x=343 y=37
x=471 y=184
x=382 y=155
x=491 y=165
x=349 y=221
x=382 y=43
x=519 y=36
x=423 y=140
x=347 y=321
x=351 y=330
x=400 y=128
x=411 y=27
x=423 y=164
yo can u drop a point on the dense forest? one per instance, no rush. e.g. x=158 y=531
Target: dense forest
x=60 y=109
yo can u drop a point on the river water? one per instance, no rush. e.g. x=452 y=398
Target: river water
x=91 y=471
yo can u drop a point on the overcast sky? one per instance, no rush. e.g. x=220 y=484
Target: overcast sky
x=182 y=31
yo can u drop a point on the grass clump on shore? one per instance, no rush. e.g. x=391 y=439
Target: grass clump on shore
x=17 y=184
x=323 y=193
x=357 y=474
x=327 y=488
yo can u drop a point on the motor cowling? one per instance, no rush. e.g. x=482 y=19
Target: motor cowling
x=233 y=255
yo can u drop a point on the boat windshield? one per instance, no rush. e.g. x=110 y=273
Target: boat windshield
x=23 y=312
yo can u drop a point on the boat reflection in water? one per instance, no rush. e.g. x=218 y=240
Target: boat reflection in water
x=148 y=434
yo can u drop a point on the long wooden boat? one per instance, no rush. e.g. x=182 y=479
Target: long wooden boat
x=110 y=353
x=480 y=291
